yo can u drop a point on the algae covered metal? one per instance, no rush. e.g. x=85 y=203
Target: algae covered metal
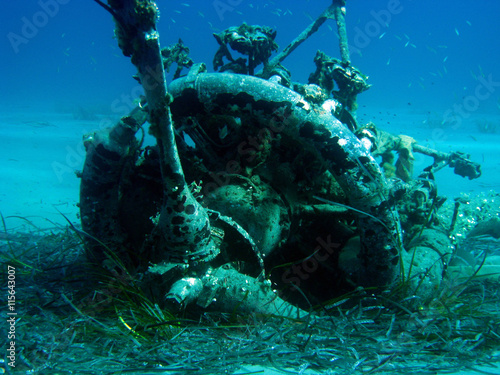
x=261 y=194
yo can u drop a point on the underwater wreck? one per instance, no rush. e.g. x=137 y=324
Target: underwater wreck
x=261 y=194
x=260 y=227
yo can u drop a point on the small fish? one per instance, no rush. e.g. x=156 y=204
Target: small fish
x=177 y=11
x=408 y=42
x=185 y=4
x=388 y=61
x=406 y=36
x=397 y=37
x=446 y=58
x=63 y=35
x=456 y=32
x=308 y=16
x=223 y=132
x=445 y=70
x=329 y=27
x=172 y=20
x=480 y=70
x=430 y=49
x=413 y=45
x=39 y=124
x=201 y=14
x=468 y=23
x=382 y=35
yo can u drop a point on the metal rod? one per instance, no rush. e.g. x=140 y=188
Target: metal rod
x=339 y=13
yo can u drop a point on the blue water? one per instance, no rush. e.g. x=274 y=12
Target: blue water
x=71 y=55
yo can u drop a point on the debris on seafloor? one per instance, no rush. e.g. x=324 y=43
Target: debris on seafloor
x=280 y=203
x=265 y=231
